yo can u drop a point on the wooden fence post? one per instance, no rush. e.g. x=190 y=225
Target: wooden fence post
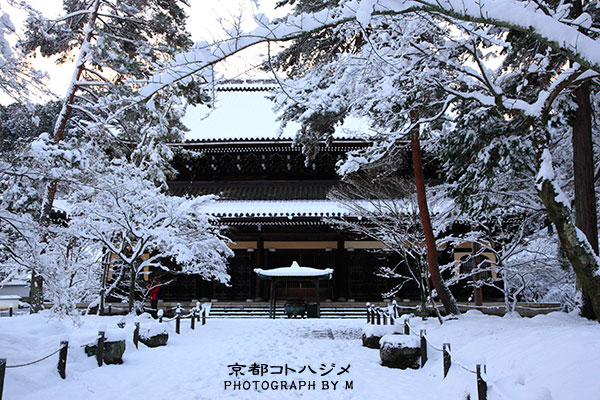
x=423 y=347
x=447 y=358
x=136 y=334
x=160 y=314
x=110 y=309
x=406 y=327
x=378 y=316
x=481 y=384
x=177 y=323
x=198 y=311
x=100 y=348
x=10 y=311
x=204 y=316
x=62 y=359
x=193 y=320
x=2 y=372
x=384 y=317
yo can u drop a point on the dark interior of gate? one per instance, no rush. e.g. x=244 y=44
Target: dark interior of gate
x=275 y=209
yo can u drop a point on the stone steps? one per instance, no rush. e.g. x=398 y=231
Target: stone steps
x=261 y=311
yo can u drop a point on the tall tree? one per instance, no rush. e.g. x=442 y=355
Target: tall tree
x=586 y=216
x=117 y=45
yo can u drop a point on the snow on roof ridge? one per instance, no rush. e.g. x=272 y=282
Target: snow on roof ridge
x=266 y=139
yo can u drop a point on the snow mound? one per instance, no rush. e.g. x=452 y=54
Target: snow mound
x=380 y=330
x=392 y=340
x=110 y=335
x=153 y=329
x=115 y=335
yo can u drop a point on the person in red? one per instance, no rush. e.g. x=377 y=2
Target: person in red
x=153 y=290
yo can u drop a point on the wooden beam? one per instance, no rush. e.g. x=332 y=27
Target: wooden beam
x=298 y=245
x=243 y=245
x=363 y=244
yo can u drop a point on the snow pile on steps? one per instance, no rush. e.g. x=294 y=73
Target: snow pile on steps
x=553 y=356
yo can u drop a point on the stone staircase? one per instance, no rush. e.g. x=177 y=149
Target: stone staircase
x=261 y=310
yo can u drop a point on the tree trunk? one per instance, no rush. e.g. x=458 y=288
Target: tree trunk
x=477 y=290
x=132 y=287
x=574 y=243
x=36 y=298
x=442 y=290
x=583 y=175
x=35 y=293
x=586 y=217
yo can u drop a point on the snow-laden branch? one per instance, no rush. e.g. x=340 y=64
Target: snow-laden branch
x=518 y=15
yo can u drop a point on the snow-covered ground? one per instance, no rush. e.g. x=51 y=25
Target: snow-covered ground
x=555 y=356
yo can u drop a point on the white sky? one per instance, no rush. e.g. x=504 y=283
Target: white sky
x=245 y=115
x=253 y=115
x=206 y=21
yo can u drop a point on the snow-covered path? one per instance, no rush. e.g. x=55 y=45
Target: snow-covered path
x=547 y=357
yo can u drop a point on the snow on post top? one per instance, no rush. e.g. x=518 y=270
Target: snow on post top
x=295 y=270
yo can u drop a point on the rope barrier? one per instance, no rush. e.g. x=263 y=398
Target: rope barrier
x=461 y=364
x=34 y=362
x=442 y=350
x=425 y=336
x=175 y=317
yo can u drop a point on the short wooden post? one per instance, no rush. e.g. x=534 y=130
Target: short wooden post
x=160 y=315
x=193 y=320
x=423 y=347
x=62 y=359
x=198 y=311
x=100 y=348
x=384 y=317
x=177 y=323
x=136 y=334
x=368 y=315
x=2 y=372
x=406 y=327
x=10 y=311
x=481 y=384
x=395 y=307
x=110 y=309
x=447 y=358
x=204 y=316
x=378 y=316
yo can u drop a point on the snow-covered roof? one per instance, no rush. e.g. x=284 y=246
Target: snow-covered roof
x=294 y=270
x=242 y=111
x=277 y=208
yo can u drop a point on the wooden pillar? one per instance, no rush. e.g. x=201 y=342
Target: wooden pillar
x=273 y=303
x=340 y=275
x=260 y=263
x=318 y=300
